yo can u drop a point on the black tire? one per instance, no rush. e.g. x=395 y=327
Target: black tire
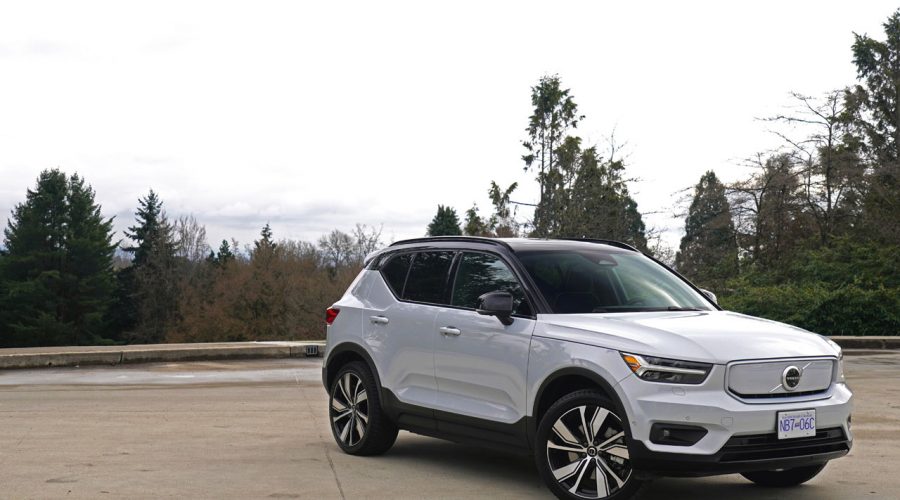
x=358 y=422
x=576 y=464
x=784 y=478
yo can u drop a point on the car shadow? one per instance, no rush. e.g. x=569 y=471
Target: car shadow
x=513 y=472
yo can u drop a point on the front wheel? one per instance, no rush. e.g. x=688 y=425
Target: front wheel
x=581 y=450
x=358 y=423
x=784 y=478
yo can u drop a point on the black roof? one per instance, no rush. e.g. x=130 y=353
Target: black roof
x=516 y=244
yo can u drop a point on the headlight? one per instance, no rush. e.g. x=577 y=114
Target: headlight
x=671 y=371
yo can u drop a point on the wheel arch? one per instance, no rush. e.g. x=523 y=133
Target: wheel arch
x=565 y=381
x=343 y=353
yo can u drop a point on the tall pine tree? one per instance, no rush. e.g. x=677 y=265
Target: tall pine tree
x=554 y=113
x=153 y=276
x=876 y=106
x=56 y=281
x=708 y=253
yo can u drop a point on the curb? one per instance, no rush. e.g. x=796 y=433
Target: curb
x=116 y=355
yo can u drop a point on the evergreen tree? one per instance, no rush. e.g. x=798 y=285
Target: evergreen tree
x=223 y=256
x=598 y=204
x=265 y=243
x=263 y=308
x=56 y=280
x=475 y=225
x=708 y=253
x=444 y=223
x=149 y=219
x=90 y=254
x=554 y=113
x=875 y=108
x=503 y=221
x=153 y=276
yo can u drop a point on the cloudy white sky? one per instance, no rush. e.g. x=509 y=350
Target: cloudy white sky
x=319 y=115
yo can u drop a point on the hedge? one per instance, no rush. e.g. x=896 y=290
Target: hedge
x=820 y=308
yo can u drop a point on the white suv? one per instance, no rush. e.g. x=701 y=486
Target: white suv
x=605 y=364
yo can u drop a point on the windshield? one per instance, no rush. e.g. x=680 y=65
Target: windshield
x=607 y=281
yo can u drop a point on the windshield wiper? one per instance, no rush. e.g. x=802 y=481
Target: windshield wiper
x=678 y=308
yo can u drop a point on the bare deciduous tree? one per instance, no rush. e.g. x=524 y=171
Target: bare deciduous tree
x=191 y=237
x=829 y=168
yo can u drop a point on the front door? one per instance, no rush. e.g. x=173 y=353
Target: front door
x=480 y=364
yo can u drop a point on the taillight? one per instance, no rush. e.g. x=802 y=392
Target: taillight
x=330 y=314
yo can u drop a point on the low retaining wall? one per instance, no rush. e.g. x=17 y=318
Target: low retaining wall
x=41 y=357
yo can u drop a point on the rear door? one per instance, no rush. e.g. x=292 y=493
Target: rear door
x=480 y=364
x=399 y=323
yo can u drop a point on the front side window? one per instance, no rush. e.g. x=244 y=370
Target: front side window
x=607 y=281
x=427 y=280
x=480 y=273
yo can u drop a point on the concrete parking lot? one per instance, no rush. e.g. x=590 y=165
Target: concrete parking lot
x=258 y=429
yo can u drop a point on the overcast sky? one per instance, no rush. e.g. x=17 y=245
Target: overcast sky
x=319 y=115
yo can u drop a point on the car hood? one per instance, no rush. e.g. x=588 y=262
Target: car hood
x=710 y=336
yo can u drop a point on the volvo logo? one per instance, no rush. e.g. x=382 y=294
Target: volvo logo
x=790 y=378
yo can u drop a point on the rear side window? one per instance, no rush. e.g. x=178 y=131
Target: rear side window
x=480 y=273
x=427 y=281
x=395 y=270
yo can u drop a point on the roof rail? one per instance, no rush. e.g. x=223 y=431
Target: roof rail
x=471 y=239
x=612 y=243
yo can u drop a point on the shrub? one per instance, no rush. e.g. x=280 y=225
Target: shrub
x=821 y=308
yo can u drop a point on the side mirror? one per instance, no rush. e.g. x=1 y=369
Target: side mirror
x=711 y=296
x=499 y=304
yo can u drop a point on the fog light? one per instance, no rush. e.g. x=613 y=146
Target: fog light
x=676 y=435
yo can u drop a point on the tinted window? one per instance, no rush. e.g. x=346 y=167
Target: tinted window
x=427 y=281
x=394 y=272
x=480 y=273
x=607 y=282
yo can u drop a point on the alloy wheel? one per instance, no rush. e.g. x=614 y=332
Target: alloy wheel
x=587 y=453
x=349 y=409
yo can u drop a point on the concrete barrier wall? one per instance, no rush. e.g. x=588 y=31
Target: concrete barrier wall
x=113 y=355
x=42 y=357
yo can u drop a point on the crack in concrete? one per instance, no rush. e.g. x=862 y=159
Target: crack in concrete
x=312 y=412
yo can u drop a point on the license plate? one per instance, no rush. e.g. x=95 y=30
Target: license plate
x=796 y=424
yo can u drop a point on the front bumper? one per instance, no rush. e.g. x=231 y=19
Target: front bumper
x=744 y=454
x=741 y=435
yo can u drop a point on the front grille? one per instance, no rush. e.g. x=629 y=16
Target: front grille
x=764 y=379
x=768 y=446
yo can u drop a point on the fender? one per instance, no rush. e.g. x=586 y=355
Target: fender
x=533 y=423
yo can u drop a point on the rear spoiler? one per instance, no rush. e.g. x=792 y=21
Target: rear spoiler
x=371 y=256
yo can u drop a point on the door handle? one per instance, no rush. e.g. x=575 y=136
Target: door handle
x=379 y=320
x=449 y=330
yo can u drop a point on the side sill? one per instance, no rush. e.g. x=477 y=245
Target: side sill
x=510 y=438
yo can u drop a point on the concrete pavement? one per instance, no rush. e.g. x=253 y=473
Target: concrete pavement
x=258 y=429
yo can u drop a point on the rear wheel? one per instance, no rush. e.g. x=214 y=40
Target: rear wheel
x=784 y=478
x=357 y=420
x=581 y=450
